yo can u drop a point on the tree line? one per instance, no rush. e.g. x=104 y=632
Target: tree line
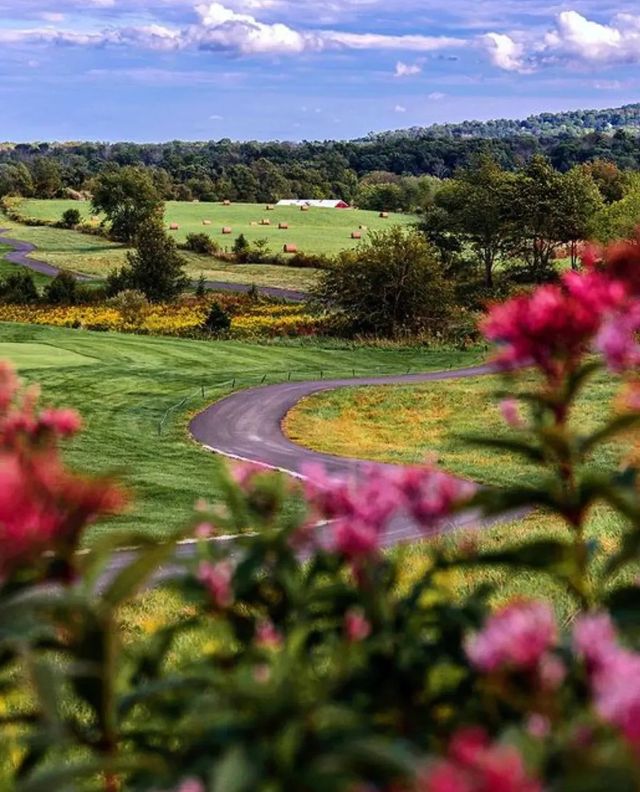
x=264 y=172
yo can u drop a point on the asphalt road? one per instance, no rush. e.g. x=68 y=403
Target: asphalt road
x=21 y=250
x=248 y=426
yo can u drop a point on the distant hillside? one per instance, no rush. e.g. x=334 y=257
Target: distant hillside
x=572 y=123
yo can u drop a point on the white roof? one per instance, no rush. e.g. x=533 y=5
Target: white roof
x=324 y=204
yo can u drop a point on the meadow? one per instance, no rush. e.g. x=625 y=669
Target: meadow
x=97 y=257
x=136 y=395
x=324 y=231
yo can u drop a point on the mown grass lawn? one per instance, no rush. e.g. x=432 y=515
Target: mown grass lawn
x=408 y=424
x=316 y=231
x=136 y=394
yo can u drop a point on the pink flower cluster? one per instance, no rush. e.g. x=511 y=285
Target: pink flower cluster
x=217 y=579
x=474 y=764
x=555 y=325
x=518 y=637
x=359 y=511
x=614 y=674
x=43 y=506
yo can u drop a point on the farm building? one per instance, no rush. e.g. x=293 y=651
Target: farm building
x=317 y=204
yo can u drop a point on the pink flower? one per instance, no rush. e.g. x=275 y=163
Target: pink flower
x=204 y=530
x=538 y=726
x=614 y=674
x=191 y=785
x=473 y=764
x=617 y=340
x=511 y=413
x=356 y=625
x=217 y=579
x=64 y=423
x=268 y=636
x=516 y=637
x=429 y=495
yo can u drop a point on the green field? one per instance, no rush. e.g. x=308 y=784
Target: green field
x=96 y=256
x=316 y=231
x=407 y=424
x=136 y=394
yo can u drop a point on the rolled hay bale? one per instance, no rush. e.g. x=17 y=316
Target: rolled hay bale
x=290 y=249
x=363 y=228
x=253 y=223
x=384 y=215
x=264 y=221
x=356 y=235
x=206 y=222
x=304 y=208
x=283 y=226
x=269 y=208
x=226 y=202
x=174 y=227
x=226 y=230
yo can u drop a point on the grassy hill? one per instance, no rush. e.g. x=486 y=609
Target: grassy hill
x=136 y=394
x=325 y=231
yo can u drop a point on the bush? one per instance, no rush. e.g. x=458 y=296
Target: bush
x=18 y=288
x=62 y=290
x=241 y=248
x=132 y=305
x=218 y=321
x=342 y=673
x=392 y=283
x=201 y=243
x=71 y=218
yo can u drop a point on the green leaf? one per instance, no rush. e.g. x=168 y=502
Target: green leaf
x=610 y=430
x=234 y=772
x=512 y=446
x=624 y=605
x=134 y=576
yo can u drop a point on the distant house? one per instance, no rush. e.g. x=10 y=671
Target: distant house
x=314 y=203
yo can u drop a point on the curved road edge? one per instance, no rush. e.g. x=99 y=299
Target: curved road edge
x=247 y=426
x=20 y=255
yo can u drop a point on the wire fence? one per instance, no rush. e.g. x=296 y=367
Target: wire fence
x=230 y=381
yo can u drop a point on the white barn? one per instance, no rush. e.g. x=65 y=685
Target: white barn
x=318 y=204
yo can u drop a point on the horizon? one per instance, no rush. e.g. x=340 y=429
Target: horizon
x=163 y=70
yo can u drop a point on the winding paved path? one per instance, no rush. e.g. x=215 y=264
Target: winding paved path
x=248 y=425
x=21 y=250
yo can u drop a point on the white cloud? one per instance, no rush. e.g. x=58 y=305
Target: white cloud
x=436 y=96
x=407 y=69
x=400 y=108
x=504 y=52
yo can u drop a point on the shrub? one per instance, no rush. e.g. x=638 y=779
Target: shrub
x=201 y=243
x=132 y=305
x=62 y=290
x=340 y=673
x=18 y=288
x=392 y=283
x=241 y=248
x=71 y=218
x=201 y=288
x=217 y=320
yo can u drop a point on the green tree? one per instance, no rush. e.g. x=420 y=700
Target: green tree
x=537 y=210
x=610 y=180
x=241 y=248
x=129 y=199
x=477 y=204
x=581 y=202
x=154 y=268
x=390 y=284
x=47 y=177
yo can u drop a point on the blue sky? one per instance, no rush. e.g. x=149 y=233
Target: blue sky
x=151 y=70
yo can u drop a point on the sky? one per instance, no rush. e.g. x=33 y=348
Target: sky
x=156 y=70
